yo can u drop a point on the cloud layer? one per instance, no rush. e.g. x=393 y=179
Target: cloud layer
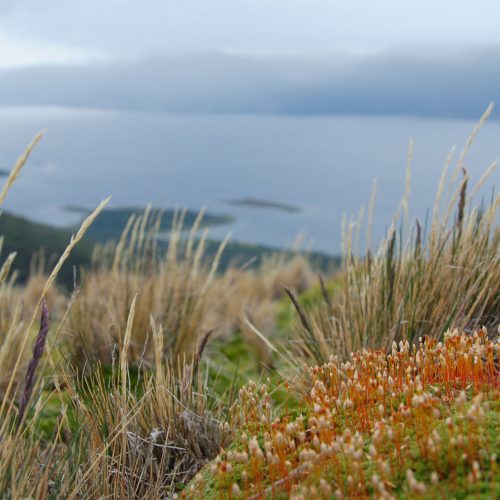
x=452 y=84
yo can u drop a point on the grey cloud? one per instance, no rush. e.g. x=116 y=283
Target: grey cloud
x=458 y=84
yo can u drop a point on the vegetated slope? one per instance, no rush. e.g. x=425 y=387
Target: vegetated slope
x=247 y=255
x=28 y=238
x=112 y=221
x=385 y=404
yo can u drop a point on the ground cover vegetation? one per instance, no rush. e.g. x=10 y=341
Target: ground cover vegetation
x=157 y=374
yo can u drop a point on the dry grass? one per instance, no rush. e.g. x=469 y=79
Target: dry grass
x=254 y=295
x=178 y=288
x=138 y=441
x=420 y=281
x=11 y=324
x=173 y=288
x=138 y=305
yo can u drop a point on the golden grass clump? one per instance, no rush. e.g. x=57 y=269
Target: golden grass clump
x=173 y=287
x=177 y=287
x=438 y=275
x=253 y=296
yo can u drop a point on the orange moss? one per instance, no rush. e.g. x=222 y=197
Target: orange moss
x=376 y=425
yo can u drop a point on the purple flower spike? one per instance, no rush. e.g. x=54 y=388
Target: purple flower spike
x=37 y=354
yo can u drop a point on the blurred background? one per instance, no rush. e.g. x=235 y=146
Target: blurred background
x=275 y=114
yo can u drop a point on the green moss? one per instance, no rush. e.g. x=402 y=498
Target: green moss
x=308 y=300
x=51 y=411
x=231 y=364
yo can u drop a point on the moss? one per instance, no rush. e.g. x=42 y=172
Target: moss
x=231 y=364
x=308 y=300
x=453 y=474
x=51 y=411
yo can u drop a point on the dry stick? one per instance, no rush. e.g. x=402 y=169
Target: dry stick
x=461 y=203
x=199 y=351
x=37 y=354
x=326 y=294
x=298 y=307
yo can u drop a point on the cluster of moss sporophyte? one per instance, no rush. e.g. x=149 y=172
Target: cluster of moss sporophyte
x=414 y=421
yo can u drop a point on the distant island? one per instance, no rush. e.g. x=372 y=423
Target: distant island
x=258 y=203
x=4 y=173
x=112 y=221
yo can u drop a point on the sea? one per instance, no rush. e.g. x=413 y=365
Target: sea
x=324 y=166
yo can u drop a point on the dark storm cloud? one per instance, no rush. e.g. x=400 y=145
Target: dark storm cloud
x=458 y=84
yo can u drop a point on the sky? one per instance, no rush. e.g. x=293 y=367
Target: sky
x=80 y=31
x=252 y=56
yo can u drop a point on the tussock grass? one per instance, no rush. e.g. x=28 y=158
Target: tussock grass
x=179 y=289
x=420 y=281
x=172 y=285
x=139 y=438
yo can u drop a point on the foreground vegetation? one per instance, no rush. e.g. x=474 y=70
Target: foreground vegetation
x=381 y=379
x=418 y=421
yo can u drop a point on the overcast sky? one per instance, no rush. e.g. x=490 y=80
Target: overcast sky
x=426 y=57
x=78 y=31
